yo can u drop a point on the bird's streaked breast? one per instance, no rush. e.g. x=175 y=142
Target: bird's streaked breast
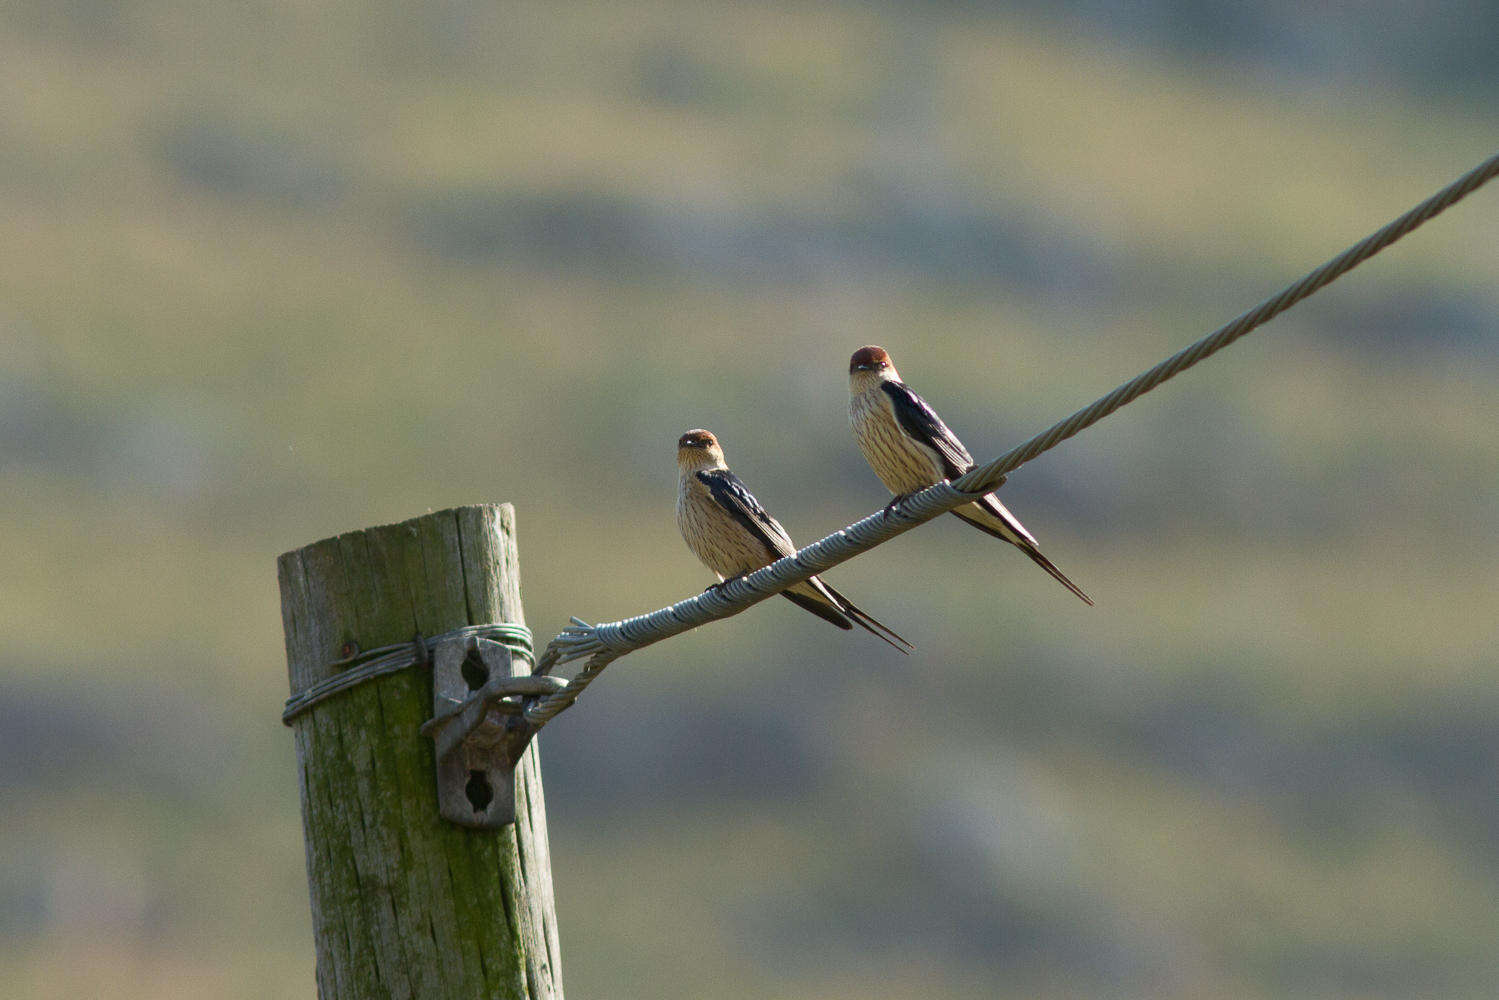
x=719 y=541
x=900 y=463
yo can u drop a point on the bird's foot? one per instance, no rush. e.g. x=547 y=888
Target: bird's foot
x=717 y=588
x=890 y=507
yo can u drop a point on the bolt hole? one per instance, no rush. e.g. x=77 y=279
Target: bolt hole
x=480 y=795
x=475 y=673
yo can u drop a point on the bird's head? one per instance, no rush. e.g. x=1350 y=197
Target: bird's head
x=698 y=449
x=870 y=366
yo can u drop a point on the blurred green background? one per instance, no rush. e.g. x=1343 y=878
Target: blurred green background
x=272 y=271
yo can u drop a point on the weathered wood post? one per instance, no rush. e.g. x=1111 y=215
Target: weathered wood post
x=404 y=903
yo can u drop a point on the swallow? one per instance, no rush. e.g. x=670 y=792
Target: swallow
x=725 y=526
x=910 y=448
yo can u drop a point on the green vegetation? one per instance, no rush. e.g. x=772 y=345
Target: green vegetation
x=272 y=272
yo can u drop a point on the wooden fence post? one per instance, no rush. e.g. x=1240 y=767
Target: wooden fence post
x=405 y=904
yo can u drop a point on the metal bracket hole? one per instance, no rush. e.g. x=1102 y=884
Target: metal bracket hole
x=475 y=671
x=480 y=795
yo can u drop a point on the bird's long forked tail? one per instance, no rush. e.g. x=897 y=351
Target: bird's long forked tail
x=1060 y=577
x=1024 y=544
x=869 y=623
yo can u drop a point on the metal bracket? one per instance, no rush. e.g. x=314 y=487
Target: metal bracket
x=479 y=729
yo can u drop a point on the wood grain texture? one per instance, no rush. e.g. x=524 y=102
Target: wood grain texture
x=404 y=904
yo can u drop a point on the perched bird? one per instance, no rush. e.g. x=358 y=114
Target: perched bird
x=910 y=448
x=725 y=526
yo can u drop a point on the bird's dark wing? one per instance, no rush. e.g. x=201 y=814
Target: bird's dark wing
x=822 y=607
x=921 y=424
x=863 y=618
x=730 y=493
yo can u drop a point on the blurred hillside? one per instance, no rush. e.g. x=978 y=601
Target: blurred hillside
x=275 y=271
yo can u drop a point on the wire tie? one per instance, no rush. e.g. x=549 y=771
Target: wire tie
x=361 y=666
